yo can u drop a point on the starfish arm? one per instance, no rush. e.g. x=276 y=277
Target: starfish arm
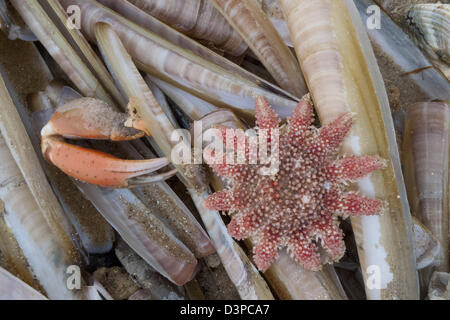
x=266 y=118
x=231 y=171
x=353 y=204
x=354 y=167
x=331 y=136
x=244 y=224
x=304 y=251
x=332 y=239
x=300 y=122
x=223 y=201
x=266 y=250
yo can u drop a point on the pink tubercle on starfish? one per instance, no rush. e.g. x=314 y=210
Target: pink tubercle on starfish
x=298 y=207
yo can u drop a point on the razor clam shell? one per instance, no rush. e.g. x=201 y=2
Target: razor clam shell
x=165 y=204
x=430 y=25
x=247 y=17
x=439 y=286
x=136 y=225
x=12 y=257
x=21 y=148
x=129 y=11
x=159 y=96
x=3 y=260
x=81 y=46
x=198 y=19
x=46 y=256
x=220 y=117
x=341 y=71
x=425 y=160
x=182 y=15
x=180 y=66
x=12 y=288
x=147 y=277
x=291 y=281
x=221 y=34
x=283 y=30
x=273 y=10
x=192 y=106
x=134 y=86
x=427 y=246
x=397 y=45
x=60 y=49
x=311 y=52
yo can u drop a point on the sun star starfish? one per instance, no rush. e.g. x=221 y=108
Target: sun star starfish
x=299 y=206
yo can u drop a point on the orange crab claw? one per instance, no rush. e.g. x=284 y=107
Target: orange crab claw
x=97 y=167
x=88 y=118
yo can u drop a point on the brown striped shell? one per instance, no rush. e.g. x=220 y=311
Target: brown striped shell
x=425 y=155
x=198 y=19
